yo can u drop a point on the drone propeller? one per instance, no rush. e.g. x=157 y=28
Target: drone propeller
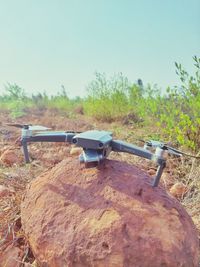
x=153 y=143
x=29 y=127
x=174 y=151
x=38 y=128
x=18 y=125
x=166 y=147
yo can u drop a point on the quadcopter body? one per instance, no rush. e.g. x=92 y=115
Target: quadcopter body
x=96 y=146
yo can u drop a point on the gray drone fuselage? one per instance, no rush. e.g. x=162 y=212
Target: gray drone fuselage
x=96 y=145
x=93 y=139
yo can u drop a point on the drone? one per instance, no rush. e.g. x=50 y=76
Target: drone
x=97 y=146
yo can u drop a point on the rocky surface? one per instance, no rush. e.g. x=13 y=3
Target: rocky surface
x=178 y=190
x=5 y=191
x=107 y=217
x=11 y=257
x=12 y=156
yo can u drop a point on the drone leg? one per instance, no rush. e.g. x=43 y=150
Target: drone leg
x=25 y=150
x=158 y=174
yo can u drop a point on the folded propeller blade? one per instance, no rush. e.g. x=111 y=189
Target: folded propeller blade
x=38 y=128
x=153 y=143
x=18 y=125
x=29 y=126
x=174 y=151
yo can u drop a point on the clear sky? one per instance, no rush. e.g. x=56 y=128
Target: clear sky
x=48 y=43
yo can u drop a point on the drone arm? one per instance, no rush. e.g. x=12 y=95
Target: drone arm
x=121 y=146
x=50 y=137
x=44 y=137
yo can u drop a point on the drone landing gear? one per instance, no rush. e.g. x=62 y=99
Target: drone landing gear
x=25 y=150
x=159 y=173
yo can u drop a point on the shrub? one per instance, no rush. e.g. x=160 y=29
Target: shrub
x=108 y=99
x=180 y=109
x=15 y=101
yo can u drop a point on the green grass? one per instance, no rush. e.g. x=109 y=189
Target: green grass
x=17 y=103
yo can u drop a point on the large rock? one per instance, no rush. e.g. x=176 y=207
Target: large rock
x=108 y=217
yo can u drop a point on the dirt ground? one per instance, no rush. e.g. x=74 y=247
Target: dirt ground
x=15 y=175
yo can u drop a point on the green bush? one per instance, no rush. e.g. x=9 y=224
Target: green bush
x=15 y=101
x=109 y=99
x=179 y=110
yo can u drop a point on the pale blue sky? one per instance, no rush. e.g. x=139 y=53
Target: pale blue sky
x=47 y=43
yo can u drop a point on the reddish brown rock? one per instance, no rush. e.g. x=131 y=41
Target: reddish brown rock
x=12 y=156
x=108 y=217
x=151 y=172
x=4 y=191
x=178 y=190
x=11 y=257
